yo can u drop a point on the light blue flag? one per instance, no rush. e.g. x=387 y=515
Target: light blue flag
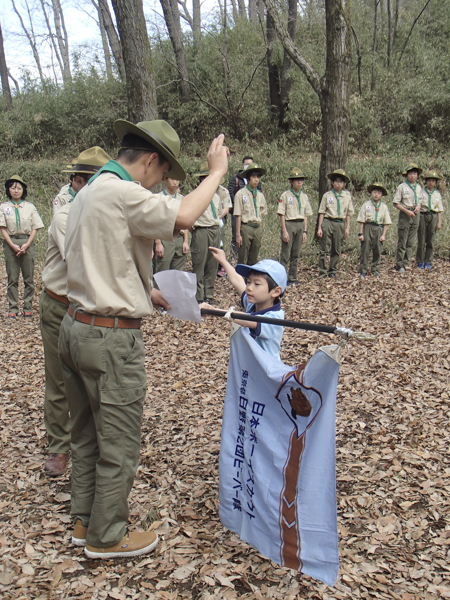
x=277 y=460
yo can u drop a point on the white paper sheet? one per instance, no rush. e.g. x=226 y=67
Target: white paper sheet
x=179 y=289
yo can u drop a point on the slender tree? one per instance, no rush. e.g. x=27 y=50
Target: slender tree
x=62 y=39
x=172 y=18
x=113 y=38
x=31 y=36
x=4 y=74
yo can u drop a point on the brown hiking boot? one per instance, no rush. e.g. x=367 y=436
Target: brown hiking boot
x=56 y=465
x=134 y=543
x=79 y=534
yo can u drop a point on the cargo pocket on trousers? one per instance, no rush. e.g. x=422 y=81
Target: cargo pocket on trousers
x=91 y=357
x=121 y=410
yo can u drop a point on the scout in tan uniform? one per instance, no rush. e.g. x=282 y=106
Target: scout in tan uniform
x=53 y=305
x=171 y=254
x=294 y=209
x=110 y=232
x=249 y=208
x=205 y=233
x=19 y=222
x=225 y=199
x=373 y=220
x=430 y=220
x=408 y=199
x=335 y=210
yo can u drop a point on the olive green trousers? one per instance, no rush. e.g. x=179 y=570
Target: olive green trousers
x=14 y=266
x=330 y=243
x=105 y=381
x=290 y=251
x=173 y=256
x=372 y=233
x=204 y=265
x=407 y=233
x=426 y=236
x=251 y=243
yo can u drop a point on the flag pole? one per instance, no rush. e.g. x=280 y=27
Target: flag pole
x=342 y=331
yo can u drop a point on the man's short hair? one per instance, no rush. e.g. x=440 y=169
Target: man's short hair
x=133 y=147
x=247 y=158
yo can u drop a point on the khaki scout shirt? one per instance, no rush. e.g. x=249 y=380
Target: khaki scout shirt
x=109 y=239
x=64 y=196
x=224 y=195
x=368 y=213
x=29 y=218
x=288 y=206
x=405 y=196
x=207 y=219
x=330 y=208
x=431 y=202
x=177 y=196
x=244 y=206
x=54 y=275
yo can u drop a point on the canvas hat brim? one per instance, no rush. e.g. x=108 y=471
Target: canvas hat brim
x=122 y=127
x=341 y=175
x=412 y=168
x=15 y=178
x=431 y=175
x=376 y=186
x=247 y=171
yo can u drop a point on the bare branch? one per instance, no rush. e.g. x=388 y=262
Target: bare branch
x=410 y=32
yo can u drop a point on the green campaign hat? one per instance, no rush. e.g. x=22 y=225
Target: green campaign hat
x=161 y=136
x=339 y=173
x=377 y=186
x=412 y=167
x=14 y=178
x=296 y=173
x=252 y=167
x=204 y=170
x=432 y=174
x=89 y=161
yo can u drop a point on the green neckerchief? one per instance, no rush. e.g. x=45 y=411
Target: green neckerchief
x=71 y=192
x=377 y=208
x=298 y=198
x=429 y=196
x=16 y=208
x=254 y=194
x=166 y=194
x=113 y=167
x=337 y=198
x=414 y=190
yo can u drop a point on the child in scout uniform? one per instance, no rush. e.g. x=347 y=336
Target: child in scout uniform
x=335 y=210
x=373 y=220
x=173 y=254
x=225 y=199
x=294 y=209
x=407 y=199
x=249 y=208
x=205 y=233
x=261 y=295
x=53 y=305
x=19 y=222
x=430 y=220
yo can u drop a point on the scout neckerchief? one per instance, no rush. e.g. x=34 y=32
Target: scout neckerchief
x=429 y=196
x=166 y=194
x=298 y=198
x=16 y=208
x=337 y=198
x=254 y=194
x=71 y=192
x=113 y=167
x=377 y=208
x=414 y=190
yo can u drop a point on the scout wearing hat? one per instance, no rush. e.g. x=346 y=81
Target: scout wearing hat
x=373 y=221
x=83 y=167
x=53 y=305
x=110 y=233
x=19 y=222
x=407 y=199
x=294 y=209
x=249 y=208
x=335 y=210
x=206 y=233
x=430 y=219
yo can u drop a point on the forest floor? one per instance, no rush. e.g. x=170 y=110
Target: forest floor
x=392 y=454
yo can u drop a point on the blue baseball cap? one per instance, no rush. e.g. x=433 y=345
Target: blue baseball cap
x=269 y=267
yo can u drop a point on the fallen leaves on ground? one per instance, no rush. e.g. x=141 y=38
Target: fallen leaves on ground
x=393 y=467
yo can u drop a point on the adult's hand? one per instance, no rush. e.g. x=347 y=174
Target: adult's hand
x=159 y=249
x=158 y=300
x=218 y=156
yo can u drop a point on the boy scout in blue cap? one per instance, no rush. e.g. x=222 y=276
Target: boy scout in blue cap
x=430 y=220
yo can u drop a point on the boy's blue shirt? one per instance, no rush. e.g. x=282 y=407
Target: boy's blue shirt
x=267 y=336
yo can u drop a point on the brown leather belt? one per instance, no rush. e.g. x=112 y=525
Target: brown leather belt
x=119 y=322
x=62 y=299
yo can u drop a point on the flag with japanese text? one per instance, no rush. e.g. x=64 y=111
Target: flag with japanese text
x=277 y=457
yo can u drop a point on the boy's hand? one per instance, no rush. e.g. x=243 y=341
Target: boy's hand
x=383 y=238
x=185 y=247
x=159 y=249
x=320 y=232
x=361 y=238
x=285 y=237
x=158 y=299
x=205 y=305
x=218 y=156
x=238 y=240
x=218 y=254
x=346 y=233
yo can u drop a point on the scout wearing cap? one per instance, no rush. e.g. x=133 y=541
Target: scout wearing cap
x=294 y=209
x=407 y=199
x=335 y=210
x=53 y=305
x=430 y=219
x=206 y=233
x=373 y=220
x=83 y=167
x=19 y=222
x=249 y=208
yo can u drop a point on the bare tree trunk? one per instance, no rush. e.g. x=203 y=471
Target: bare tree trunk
x=274 y=76
x=252 y=11
x=172 y=17
x=389 y=36
x=225 y=51
x=63 y=40
x=411 y=30
x=105 y=44
x=374 y=43
x=140 y=84
x=394 y=33
x=113 y=38
x=32 y=40
x=286 y=81
x=242 y=9
x=235 y=9
x=4 y=74
x=196 y=21
x=16 y=83
x=53 y=45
